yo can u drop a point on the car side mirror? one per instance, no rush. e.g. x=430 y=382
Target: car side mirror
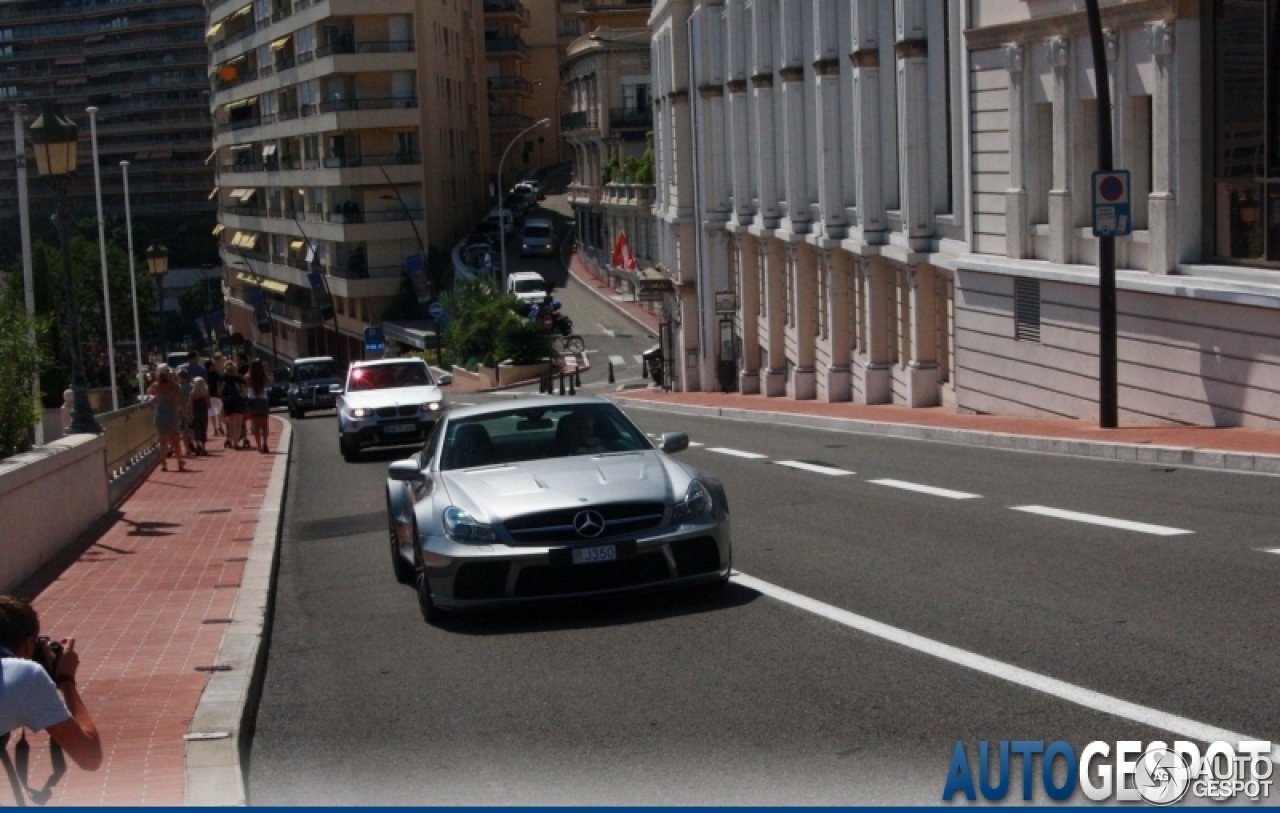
x=336 y=389
x=407 y=471
x=446 y=380
x=673 y=442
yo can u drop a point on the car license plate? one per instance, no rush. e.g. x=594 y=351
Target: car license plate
x=600 y=553
x=400 y=428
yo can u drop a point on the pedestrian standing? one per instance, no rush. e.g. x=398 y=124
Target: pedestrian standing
x=215 y=394
x=188 y=435
x=233 y=404
x=200 y=415
x=168 y=416
x=259 y=403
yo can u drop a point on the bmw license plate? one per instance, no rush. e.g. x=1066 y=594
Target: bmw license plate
x=600 y=553
x=400 y=428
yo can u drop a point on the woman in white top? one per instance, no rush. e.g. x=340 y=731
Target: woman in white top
x=259 y=404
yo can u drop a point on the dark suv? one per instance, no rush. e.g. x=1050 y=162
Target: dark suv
x=311 y=382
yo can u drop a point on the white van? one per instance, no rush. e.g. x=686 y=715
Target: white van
x=528 y=286
x=538 y=238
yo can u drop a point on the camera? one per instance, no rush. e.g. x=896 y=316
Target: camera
x=47 y=654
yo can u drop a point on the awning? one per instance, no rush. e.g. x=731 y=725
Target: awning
x=296 y=245
x=234 y=147
x=250 y=240
x=236 y=194
x=265 y=284
x=242 y=103
x=248 y=193
x=280 y=43
x=240 y=11
x=214 y=29
x=218 y=229
x=214 y=194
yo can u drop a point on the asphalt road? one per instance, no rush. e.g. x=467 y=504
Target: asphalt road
x=748 y=699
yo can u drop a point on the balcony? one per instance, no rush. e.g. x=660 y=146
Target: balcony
x=516 y=85
x=80 y=12
x=336 y=105
x=375 y=160
x=506 y=9
x=509 y=121
x=629 y=195
x=346 y=46
x=242 y=124
x=624 y=118
x=580 y=120
x=506 y=46
x=385 y=216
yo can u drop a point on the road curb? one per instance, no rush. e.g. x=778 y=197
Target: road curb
x=1098 y=450
x=221 y=729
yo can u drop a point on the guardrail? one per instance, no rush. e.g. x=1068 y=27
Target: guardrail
x=131 y=436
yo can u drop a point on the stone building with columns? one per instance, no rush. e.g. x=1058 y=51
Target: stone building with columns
x=889 y=201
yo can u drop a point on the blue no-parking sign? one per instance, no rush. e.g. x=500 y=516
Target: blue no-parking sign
x=1111 y=204
x=436 y=311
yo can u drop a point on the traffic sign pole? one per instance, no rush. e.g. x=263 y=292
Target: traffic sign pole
x=1108 y=406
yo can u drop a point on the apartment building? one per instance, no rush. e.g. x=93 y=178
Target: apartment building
x=895 y=199
x=608 y=116
x=143 y=64
x=350 y=139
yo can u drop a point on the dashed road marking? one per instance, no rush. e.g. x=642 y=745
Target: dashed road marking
x=617 y=361
x=736 y=453
x=1079 y=695
x=1264 y=550
x=639 y=359
x=1093 y=519
x=606 y=330
x=813 y=467
x=695 y=443
x=937 y=492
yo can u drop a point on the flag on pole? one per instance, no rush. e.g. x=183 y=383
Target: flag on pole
x=622 y=256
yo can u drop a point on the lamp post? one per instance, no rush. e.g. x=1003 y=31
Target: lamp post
x=502 y=221
x=24 y=228
x=53 y=137
x=102 y=254
x=158 y=265
x=133 y=278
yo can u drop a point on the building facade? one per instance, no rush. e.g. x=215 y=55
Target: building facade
x=890 y=202
x=349 y=138
x=143 y=64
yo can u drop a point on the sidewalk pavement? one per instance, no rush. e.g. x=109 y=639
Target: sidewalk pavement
x=147 y=597
x=1215 y=447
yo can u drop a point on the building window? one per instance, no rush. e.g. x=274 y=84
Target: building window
x=1026 y=310
x=1246 y=135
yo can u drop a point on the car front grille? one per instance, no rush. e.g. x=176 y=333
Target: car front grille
x=479 y=580
x=557 y=526
x=409 y=411
x=548 y=580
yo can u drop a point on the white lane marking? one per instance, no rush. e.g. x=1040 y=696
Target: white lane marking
x=736 y=453
x=1093 y=519
x=937 y=492
x=796 y=464
x=696 y=443
x=1191 y=729
x=1264 y=550
x=592 y=350
x=606 y=330
x=639 y=359
x=617 y=361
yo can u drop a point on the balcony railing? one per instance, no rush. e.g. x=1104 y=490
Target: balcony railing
x=514 y=45
x=390 y=159
x=509 y=121
x=626 y=117
x=579 y=120
x=345 y=46
x=242 y=124
x=242 y=76
x=335 y=105
x=517 y=84
x=130 y=43
x=507 y=8
x=385 y=216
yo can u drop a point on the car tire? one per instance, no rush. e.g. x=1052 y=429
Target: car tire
x=350 y=450
x=404 y=571
x=298 y=413
x=430 y=612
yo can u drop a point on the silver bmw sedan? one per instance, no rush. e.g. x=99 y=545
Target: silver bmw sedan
x=545 y=498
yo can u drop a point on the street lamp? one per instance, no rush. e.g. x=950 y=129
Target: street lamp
x=501 y=218
x=158 y=265
x=53 y=138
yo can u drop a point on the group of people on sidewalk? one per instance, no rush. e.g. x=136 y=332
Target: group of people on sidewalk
x=230 y=394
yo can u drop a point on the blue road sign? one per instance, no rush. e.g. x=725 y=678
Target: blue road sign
x=1111 y=216
x=436 y=311
x=374 y=340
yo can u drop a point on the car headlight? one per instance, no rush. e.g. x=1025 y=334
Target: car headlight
x=462 y=527
x=697 y=502
x=431 y=406
x=359 y=412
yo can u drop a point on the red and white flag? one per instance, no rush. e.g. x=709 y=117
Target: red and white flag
x=622 y=256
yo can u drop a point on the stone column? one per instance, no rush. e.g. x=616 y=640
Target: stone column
x=830 y=145
x=866 y=125
x=804 y=281
x=1016 y=220
x=794 y=147
x=913 y=137
x=873 y=366
x=1060 y=225
x=748 y=266
x=922 y=369
x=740 y=148
x=835 y=382
x=774 y=256
x=1165 y=126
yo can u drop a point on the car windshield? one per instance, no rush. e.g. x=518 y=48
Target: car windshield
x=538 y=433
x=389 y=376
x=529 y=286
x=317 y=369
x=537 y=231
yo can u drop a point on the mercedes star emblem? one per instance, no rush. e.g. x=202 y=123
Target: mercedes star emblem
x=588 y=524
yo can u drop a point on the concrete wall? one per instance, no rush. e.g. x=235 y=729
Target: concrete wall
x=48 y=498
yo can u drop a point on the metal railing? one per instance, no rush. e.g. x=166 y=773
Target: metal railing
x=130 y=435
x=346 y=46
x=337 y=105
x=507 y=7
x=391 y=159
x=579 y=120
x=515 y=83
x=624 y=117
x=506 y=45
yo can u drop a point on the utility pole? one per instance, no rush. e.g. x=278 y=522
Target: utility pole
x=1108 y=399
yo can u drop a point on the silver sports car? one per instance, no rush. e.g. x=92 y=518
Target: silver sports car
x=542 y=498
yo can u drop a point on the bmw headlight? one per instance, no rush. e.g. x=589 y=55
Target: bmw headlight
x=359 y=412
x=696 y=503
x=431 y=406
x=462 y=527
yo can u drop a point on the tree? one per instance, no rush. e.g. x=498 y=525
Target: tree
x=479 y=311
x=18 y=408
x=199 y=301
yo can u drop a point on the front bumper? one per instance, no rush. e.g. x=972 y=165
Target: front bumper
x=538 y=251
x=475 y=577
x=320 y=399
x=378 y=434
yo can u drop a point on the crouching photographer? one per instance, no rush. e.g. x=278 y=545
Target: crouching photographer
x=38 y=692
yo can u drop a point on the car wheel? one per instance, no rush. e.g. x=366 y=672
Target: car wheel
x=350 y=448
x=430 y=612
x=404 y=570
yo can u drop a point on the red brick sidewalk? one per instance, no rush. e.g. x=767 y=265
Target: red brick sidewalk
x=144 y=603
